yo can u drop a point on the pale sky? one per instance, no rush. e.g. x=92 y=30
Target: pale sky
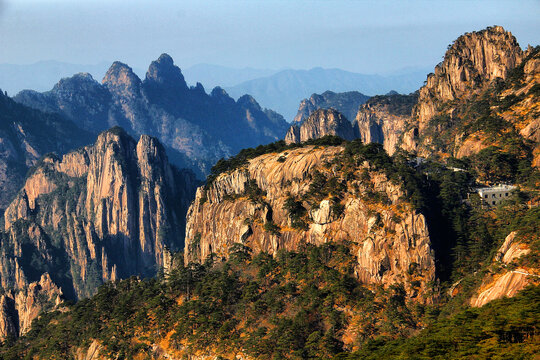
x=361 y=36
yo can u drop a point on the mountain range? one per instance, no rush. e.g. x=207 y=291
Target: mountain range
x=284 y=90
x=279 y=90
x=197 y=128
x=362 y=238
x=42 y=75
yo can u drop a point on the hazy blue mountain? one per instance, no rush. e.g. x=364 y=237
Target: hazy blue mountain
x=284 y=90
x=347 y=103
x=216 y=75
x=42 y=75
x=198 y=128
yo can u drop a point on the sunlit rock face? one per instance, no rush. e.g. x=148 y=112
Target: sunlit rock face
x=387 y=238
x=384 y=119
x=100 y=213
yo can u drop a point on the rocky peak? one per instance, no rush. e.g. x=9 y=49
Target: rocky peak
x=383 y=119
x=200 y=88
x=478 y=57
x=307 y=106
x=121 y=79
x=472 y=60
x=163 y=72
x=385 y=240
x=247 y=101
x=221 y=96
x=320 y=123
x=80 y=81
x=197 y=128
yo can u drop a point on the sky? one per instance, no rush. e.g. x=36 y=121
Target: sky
x=360 y=36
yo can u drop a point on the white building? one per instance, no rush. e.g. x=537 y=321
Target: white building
x=494 y=195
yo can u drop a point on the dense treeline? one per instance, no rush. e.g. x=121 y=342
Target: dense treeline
x=294 y=306
x=502 y=329
x=298 y=305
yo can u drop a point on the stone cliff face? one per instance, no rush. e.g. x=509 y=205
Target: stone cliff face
x=26 y=135
x=346 y=103
x=508 y=281
x=472 y=63
x=485 y=86
x=383 y=119
x=19 y=307
x=320 y=123
x=389 y=238
x=103 y=212
x=525 y=102
x=196 y=127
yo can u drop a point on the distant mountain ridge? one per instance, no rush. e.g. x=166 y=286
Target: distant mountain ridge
x=198 y=128
x=42 y=75
x=285 y=89
x=272 y=88
x=346 y=103
x=216 y=75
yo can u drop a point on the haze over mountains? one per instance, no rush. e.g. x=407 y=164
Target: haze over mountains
x=42 y=75
x=279 y=90
x=283 y=91
x=197 y=128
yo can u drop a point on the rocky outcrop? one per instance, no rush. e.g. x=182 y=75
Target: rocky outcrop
x=508 y=281
x=484 y=87
x=197 y=128
x=473 y=60
x=383 y=120
x=100 y=213
x=91 y=353
x=320 y=123
x=346 y=103
x=390 y=239
x=21 y=304
x=523 y=113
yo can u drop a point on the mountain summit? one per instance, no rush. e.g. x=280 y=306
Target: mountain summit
x=163 y=71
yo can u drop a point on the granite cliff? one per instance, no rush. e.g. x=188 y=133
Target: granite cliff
x=506 y=276
x=299 y=249
x=485 y=86
x=100 y=213
x=471 y=62
x=383 y=119
x=310 y=195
